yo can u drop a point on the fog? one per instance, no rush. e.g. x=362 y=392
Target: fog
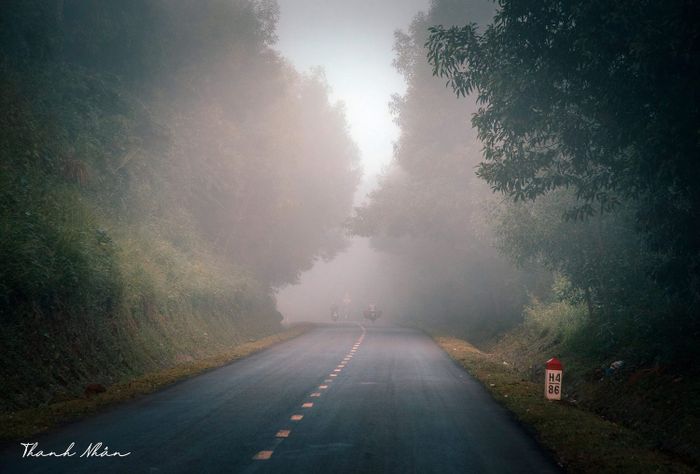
x=372 y=67
x=486 y=202
x=179 y=175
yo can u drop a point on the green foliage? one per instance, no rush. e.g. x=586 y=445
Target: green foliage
x=604 y=264
x=162 y=169
x=597 y=97
x=560 y=320
x=587 y=110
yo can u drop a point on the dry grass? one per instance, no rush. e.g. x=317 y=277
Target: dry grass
x=25 y=423
x=582 y=441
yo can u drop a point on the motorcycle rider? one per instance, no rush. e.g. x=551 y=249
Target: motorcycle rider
x=335 y=312
x=372 y=313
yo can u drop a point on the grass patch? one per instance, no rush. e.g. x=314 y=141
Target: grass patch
x=24 y=423
x=581 y=441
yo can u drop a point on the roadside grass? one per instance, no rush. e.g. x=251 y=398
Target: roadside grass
x=28 y=422
x=581 y=441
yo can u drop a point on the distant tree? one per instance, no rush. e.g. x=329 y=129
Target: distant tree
x=596 y=96
x=430 y=211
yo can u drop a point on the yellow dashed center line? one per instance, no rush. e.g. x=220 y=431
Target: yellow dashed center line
x=267 y=454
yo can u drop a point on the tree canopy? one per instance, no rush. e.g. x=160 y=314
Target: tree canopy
x=599 y=97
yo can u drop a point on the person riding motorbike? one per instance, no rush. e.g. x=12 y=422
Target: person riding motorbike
x=335 y=312
x=372 y=313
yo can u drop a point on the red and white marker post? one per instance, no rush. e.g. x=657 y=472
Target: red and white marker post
x=552 y=379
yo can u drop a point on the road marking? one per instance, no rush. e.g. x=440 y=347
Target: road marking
x=267 y=454
x=263 y=455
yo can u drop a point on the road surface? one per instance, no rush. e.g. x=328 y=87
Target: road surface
x=340 y=399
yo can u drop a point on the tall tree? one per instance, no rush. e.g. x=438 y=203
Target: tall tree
x=595 y=96
x=430 y=211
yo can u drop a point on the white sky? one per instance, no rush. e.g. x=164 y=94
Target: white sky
x=352 y=40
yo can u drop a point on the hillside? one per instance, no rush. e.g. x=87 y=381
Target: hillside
x=162 y=170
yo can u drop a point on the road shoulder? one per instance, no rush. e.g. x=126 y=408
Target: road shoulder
x=581 y=441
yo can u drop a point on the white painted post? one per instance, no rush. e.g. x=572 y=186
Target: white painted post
x=552 y=379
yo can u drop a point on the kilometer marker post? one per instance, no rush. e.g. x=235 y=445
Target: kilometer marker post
x=552 y=379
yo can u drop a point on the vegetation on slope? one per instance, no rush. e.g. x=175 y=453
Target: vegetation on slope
x=582 y=441
x=161 y=170
x=30 y=421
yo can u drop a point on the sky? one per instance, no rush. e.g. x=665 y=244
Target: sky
x=353 y=42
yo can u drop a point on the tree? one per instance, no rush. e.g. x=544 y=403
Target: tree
x=599 y=97
x=430 y=211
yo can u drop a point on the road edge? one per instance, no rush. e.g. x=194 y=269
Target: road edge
x=20 y=424
x=581 y=441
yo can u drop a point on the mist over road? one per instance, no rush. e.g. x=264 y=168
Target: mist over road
x=383 y=399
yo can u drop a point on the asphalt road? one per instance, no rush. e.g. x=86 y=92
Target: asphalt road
x=384 y=400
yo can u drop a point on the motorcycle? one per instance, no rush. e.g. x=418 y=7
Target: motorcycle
x=372 y=314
